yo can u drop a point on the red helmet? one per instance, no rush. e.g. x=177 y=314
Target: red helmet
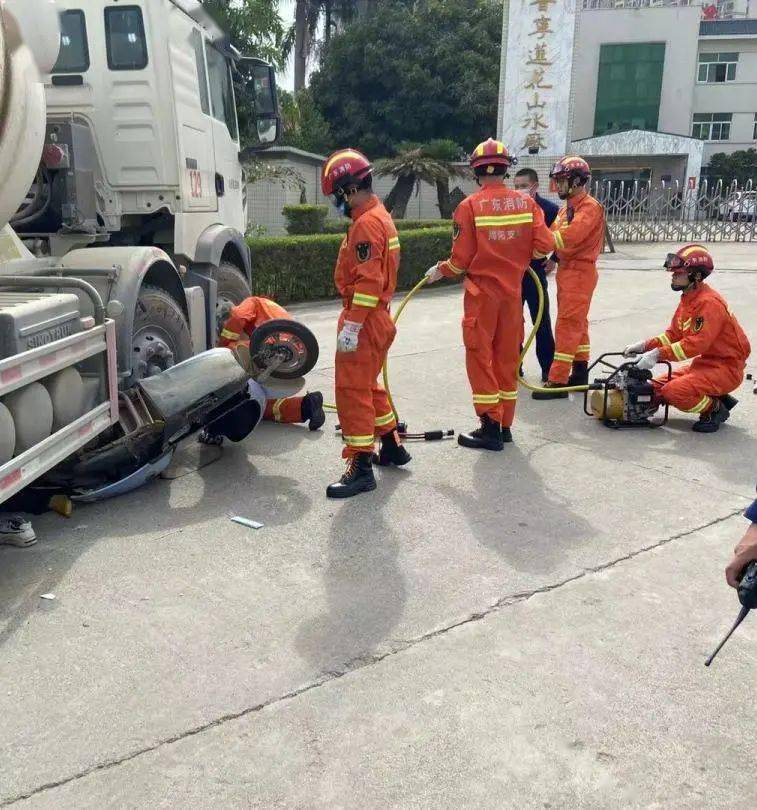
x=342 y=168
x=491 y=153
x=571 y=167
x=694 y=258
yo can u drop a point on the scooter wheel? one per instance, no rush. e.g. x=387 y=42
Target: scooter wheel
x=287 y=338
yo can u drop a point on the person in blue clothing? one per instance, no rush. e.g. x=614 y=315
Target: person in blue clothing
x=746 y=551
x=527 y=182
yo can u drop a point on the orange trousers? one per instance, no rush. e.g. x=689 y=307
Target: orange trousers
x=288 y=410
x=692 y=389
x=575 y=287
x=362 y=405
x=493 y=334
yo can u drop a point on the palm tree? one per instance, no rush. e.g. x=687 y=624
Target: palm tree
x=303 y=35
x=415 y=164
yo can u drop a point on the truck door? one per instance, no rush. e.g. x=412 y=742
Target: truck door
x=194 y=122
x=228 y=171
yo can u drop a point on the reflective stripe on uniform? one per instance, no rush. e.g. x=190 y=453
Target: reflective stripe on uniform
x=560 y=244
x=583 y=348
x=277 y=409
x=565 y=358
x=363 y=300
x=387 y=419
x=486 y=399
x=456 y=270
x=664 y=339
x=508 y=394
x=505 y=219
x=678 y=351
x=702 y=405
x=229 y=335
x=686 y=324
x=394 y=243
x=358 y=441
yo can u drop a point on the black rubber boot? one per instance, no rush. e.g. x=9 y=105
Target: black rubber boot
x=729 y=401
x=550 y=394
x=312 y=410
x=710 y=422
x=579 y=373
x=506 y=434
x=357 y=478
x=391 y=451
x=487 y=437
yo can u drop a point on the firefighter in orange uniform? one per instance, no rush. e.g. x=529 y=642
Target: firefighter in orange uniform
x=496 y=233
x=579 y=235
x=703 y=328
x=365 y=277
x=241 y=323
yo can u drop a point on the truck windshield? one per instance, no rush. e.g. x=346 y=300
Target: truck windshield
x=74 y=50
x=221 y=92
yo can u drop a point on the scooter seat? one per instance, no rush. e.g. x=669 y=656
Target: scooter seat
x=197 y=385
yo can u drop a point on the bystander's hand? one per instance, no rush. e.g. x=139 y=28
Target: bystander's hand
x=744 y=553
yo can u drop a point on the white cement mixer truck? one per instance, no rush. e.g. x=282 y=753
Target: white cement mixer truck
x=122 y=212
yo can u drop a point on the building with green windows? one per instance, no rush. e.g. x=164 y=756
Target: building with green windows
x=647 y=89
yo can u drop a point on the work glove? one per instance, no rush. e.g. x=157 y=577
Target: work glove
x=347 y=338
x=434 y=274
x=648 y=360
x=634 y=348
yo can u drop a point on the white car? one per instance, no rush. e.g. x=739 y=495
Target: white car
x=739 y=205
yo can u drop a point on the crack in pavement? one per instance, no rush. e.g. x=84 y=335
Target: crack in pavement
x=362 y=662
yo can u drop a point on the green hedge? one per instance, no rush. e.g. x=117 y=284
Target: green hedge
x=301 y=268
x=305 y=219
x=341 y=225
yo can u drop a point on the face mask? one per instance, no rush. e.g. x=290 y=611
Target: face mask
x=529 y=191
x=340 y=203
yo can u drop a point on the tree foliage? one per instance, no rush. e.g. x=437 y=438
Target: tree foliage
x=253 y=26
x=412 y=71
x=740 y=166
x=303 y=126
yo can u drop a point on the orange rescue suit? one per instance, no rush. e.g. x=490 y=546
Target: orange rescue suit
x=366 y=277
x=496 y=233
x=579 y=230
x=241 y=323
x=702 y=328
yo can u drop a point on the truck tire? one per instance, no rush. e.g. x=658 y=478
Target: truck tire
x=161 y=337
x=232 y=290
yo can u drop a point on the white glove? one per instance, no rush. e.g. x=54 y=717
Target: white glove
x=634 y=348
x=434 y=274
x=347 y=338
x=648 y=360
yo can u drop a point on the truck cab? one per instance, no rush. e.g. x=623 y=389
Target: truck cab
x=142 y=148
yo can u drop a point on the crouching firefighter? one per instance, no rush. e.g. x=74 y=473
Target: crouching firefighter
x=243 y=320
x=365 y=277
x=579 y=230
x=703 y=328
x=496 y=233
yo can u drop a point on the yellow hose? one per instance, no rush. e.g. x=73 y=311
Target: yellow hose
x=532 y=335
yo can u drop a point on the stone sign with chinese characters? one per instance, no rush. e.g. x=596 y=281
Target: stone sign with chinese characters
x=535 y=99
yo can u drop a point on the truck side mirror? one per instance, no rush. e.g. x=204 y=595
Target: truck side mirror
x=261 y=89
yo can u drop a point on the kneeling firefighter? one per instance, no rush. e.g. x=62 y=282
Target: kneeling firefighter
x=702 y=328
x=579 y=230
x=237 y=330
x=496 y=233
x=366 y=277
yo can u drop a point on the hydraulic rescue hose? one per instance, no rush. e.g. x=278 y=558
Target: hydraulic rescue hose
x=532 y=335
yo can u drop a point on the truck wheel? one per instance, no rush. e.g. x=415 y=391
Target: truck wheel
x=232 y=290
x=161 y=334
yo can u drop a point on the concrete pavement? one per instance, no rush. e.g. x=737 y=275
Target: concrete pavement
x=524 y=629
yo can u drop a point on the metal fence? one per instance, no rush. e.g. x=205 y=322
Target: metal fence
x=711 y=212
